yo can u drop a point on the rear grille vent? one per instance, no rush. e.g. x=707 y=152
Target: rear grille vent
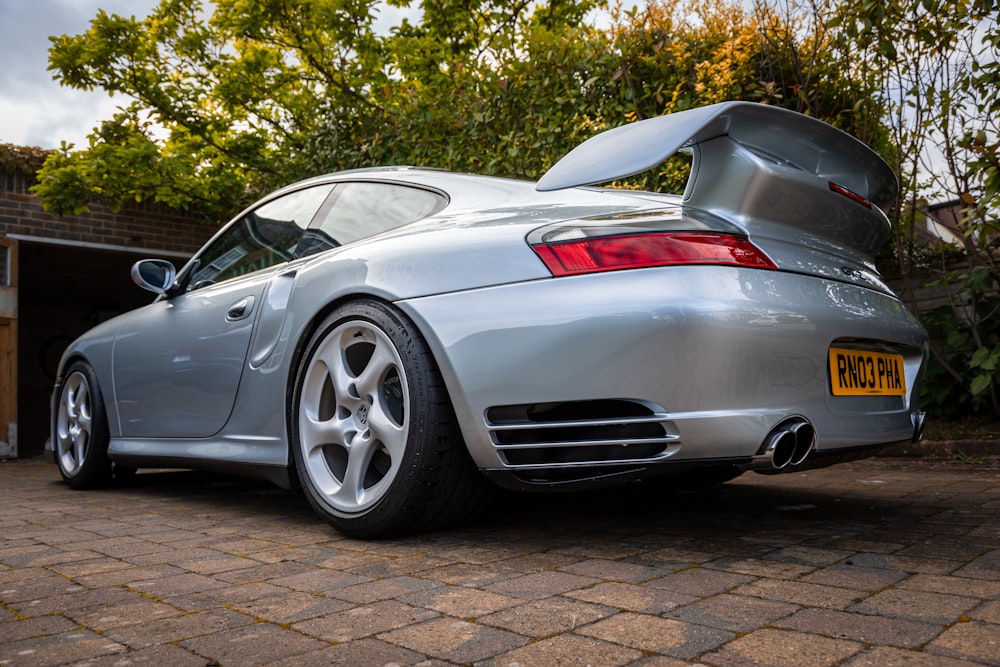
x=581 y=433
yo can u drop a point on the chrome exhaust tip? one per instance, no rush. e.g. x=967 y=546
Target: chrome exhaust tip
x=919 y=420
x=786 y=445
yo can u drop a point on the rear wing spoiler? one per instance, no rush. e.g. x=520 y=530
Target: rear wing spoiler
x=766 y=138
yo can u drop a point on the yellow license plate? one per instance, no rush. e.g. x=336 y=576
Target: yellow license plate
x=863 y=373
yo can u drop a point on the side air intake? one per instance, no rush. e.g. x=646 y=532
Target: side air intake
x=580 y=433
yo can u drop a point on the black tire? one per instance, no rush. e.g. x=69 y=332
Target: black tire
x=80 y=430
x=374 y=438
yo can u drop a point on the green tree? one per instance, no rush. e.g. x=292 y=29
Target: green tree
x=238 y=97
x=936 y=67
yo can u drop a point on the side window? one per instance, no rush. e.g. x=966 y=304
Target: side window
x=265 y=236
x=359 y=210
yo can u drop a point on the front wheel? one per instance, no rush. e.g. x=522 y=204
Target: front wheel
x=374 y=438
x=80 y=430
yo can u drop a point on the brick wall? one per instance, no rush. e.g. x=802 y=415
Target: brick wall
x=63 y=290
x=143 y=227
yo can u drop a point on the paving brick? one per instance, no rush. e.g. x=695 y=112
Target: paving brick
x=55 y=649
x=89 y=566
x=541 y=618
x=127 y=575
x=987 y=567
x=973 y=640
x=215 y=564
x=568 y=651
x=886 y=656
x=251 y=645
x=290 y=607
x=612 y=570
x=386 y=568
x=735 y=613
x=631 y=597
x=12 y=631
x=988 y=611
x=853 y=576
x=24 y=556
x=756 y=567
x=162 y=654
x=657 y=635
x=467 y=574
x=360 y=652
x=365 y=621
x=80 y=598
x=699 y=581
x=35 y=588
x=466 y=553
x=131 y=612
x=603 y=550
x=957 y=585
x=797 y=592
x=180 y=584
x=861 y=627
x=460 y=601
x=58 y=556
x=382 y=589
x=804 y=555
x=538 y=562
x=675 y=557
x=541 y=584
x=178 y=628
x=454 y=640
x=226 y=596
x=271 y=572
x=780 y=648
x=917 y=605
x=917 y=565
x=318 y=580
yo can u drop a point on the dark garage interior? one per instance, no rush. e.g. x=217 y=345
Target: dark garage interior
x=63 y=291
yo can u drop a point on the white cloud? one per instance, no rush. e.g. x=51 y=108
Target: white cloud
x=34 y=109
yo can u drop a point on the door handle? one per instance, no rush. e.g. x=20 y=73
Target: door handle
x=240 y=310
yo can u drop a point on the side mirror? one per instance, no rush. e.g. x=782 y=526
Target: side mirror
x=155 y=275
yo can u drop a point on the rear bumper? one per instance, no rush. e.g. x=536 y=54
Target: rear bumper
x=715 y=357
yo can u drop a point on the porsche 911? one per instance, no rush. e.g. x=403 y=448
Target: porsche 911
x=400 y=342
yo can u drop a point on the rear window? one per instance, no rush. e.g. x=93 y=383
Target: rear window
x=359 y=210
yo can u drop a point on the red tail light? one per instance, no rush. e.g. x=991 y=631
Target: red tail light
x=636 y=251
x=850 y=194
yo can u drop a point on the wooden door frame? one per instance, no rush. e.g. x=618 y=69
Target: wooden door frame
x=8 y=351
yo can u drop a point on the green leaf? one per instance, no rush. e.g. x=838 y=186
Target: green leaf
x=979 y=384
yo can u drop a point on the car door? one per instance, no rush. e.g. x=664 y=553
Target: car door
x=178 y=362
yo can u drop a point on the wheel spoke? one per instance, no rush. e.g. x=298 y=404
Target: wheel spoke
x=336 y=368
x=385 y=430
x=382 y=360
x=352 y=489
x=84 y=421
x=318 y=433
x=79 y=448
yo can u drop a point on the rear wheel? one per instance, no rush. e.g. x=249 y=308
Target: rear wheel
x=80 y=430
x=374 y=438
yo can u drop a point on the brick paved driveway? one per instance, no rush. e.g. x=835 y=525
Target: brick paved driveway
x=880 y=562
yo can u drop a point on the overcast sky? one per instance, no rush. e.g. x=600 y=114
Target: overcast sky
x=34 y=109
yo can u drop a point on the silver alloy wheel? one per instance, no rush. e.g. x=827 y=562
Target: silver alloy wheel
x=352 y=417
x=74 y=423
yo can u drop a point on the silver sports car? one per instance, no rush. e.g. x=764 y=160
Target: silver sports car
x=398 y=342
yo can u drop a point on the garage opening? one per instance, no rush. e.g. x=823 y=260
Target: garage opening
x=63 y=290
